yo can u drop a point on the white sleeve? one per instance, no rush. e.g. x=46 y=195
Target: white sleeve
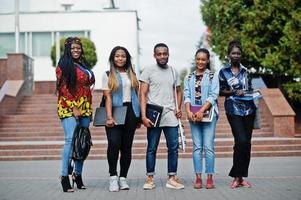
x=105 y=82
x=178 y=81
x=145 y=76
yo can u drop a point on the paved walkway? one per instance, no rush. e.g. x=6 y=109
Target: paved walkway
x=273 y=179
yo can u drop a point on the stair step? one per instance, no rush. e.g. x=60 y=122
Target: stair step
x=142 y=143
x=142 y=150
x=35 y=133
x=57 y=137
x=159 y=156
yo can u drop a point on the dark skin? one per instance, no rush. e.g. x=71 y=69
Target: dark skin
x=119 y=61
x=235 y=57
x=161 y=55
x=76 y=53
x=201 y=61
x=110 y=121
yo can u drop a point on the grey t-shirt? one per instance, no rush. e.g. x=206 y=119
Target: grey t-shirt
x=161 y=91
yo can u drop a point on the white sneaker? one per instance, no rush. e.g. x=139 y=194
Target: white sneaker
x=174 y=183
x=114 y=187
x=123 y=184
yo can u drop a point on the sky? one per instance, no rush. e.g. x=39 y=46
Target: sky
x=174 y=22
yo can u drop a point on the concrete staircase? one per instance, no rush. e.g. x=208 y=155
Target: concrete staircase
x=35 y=133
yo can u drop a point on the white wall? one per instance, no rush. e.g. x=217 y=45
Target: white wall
x=107 y=29
x=7 y=6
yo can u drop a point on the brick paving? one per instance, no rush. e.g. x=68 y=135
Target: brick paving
x=273 y=178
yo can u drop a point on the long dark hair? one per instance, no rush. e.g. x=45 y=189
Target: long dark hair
x=66 y=63
x=113 y=82
x=128 y=63
x=205 y=51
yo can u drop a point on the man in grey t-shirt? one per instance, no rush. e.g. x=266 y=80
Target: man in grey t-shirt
x=157 y=87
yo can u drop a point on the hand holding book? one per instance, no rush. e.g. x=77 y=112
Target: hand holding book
x=198 y=115
x=153 y=115
x=147 y=122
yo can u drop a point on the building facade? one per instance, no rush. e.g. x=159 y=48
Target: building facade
x=39 y=30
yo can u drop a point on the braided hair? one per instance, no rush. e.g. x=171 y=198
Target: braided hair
x=66 y=63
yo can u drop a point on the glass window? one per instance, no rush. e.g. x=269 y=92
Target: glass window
x=7 y=41
x=72 y=34
x=41 y=43
x=22 y=42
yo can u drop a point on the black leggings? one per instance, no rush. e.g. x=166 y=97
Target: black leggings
x=242 y=128
x=120 y=139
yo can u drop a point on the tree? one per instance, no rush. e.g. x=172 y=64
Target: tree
x=182 y=76
x=269 y=30
x=88 y=46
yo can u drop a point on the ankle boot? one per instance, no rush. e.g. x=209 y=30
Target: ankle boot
x=209 y=184
x=77 y=178
x=66 y=184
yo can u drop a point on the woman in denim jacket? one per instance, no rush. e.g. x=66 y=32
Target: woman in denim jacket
x=120 y=88
x=201 y=87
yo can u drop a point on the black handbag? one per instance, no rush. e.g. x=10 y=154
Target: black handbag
x=81 y=143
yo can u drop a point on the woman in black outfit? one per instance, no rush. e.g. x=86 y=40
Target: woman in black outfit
x=120 y=88
x=240 y=113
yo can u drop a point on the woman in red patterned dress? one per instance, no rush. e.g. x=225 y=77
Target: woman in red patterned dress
x=74 y=82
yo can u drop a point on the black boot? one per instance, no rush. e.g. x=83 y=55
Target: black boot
x=77 y=178
x=66 y=184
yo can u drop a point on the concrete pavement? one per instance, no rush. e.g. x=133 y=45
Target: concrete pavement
x=273 y=178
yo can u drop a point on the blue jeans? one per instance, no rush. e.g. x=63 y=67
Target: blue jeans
x=153 y=138
x=203 y=135
x=69 y=125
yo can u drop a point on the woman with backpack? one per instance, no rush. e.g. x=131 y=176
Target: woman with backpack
x=201 y=89
x=120 y=88
x=74 y=81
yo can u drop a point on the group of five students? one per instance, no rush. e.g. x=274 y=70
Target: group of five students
x=159 y=85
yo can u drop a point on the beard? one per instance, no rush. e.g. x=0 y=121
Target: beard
x=164 y=66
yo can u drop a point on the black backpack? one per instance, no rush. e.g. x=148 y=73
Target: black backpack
x=81 y=143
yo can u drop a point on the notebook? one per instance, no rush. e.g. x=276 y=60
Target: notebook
x=153 y=113
x=208 y=114
x=119 y=114
x=248 y=96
